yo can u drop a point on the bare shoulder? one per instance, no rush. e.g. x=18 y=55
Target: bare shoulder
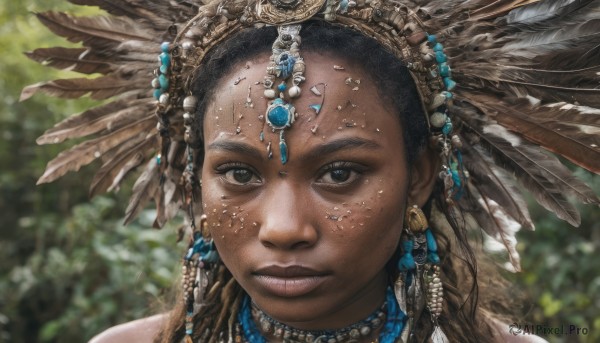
x=141 y=330
x=511 y=336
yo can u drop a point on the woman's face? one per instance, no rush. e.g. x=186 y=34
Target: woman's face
x=308 y=240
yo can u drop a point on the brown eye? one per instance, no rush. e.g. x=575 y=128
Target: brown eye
x=238 y=174
x=241 y=175
x=340 y=175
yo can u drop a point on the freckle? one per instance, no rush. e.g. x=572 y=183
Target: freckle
x=215 y=210
x=223 y=237
x=362 y=126
x=234 y=214
x=217 y=118
x=254 y=224
x=224 y=211
x=241 y=220
x=348 y=211
x=380 y=192
x=339 y=107
x=377 y=130
x=220 y=108
x=352 y=227
x=218 y=224
x=340 y=219
x=323 y=137
x=361 y=224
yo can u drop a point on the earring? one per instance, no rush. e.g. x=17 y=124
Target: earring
x=199 y=265
x=419 y=273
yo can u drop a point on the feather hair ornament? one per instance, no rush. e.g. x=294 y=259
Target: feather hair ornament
x=527 y=91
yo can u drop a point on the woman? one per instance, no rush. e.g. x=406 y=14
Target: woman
x=324 y=143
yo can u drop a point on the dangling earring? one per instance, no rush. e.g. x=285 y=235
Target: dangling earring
x=199 y=265
x=419 y=271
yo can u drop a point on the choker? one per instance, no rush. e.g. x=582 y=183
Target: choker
x=389 y=315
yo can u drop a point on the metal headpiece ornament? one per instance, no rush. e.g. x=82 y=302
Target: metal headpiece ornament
x=524 y=89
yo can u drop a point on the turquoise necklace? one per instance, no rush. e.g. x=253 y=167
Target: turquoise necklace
x=395 y=321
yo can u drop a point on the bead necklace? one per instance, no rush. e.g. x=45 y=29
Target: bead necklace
x=394 y=323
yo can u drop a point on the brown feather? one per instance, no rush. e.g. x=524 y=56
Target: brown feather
x=543 y=175
x=108 y=118
x=127 y=157
x=495 y=184
x=73 y=59
x=144 y=189
x=97 y=31
x=99 y=88
x=84 y=153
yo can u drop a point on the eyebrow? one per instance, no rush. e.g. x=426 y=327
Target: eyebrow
x=341 y=144
x=321 y=150
x=236 y=147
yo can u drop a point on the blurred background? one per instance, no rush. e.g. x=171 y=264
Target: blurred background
x=70 y=269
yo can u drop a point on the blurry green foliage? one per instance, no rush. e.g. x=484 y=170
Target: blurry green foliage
x=69 y=269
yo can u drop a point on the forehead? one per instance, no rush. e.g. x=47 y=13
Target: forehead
x=346 y=98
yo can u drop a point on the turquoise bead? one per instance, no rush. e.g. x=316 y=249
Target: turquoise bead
x=433 y=258
x=164 y=47
x=447 y=128
x=449 y=83
x=432 y=39
x=438 y=47
x=431 y=244
x=158 y=160
x=164 y=69
x=282 y=87
x=440 y=57
x=165 y=59
x=445 y=70
x=448 y=95
x=157 y=93
x=407 y=261
x=283 y=151
x=279 y=116
x=164 y=82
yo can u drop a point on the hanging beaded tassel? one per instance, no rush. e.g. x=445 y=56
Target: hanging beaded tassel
x=419 y=273
x=198 y=266
x=285 y=63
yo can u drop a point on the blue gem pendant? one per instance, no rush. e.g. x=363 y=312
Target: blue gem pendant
x=280 y=115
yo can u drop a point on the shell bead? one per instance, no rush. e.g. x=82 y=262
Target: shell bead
x=189 y=103
x=269 y=93
x=295 y=91
x=438 y=119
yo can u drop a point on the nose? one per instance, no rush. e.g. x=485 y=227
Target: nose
x=286 y=219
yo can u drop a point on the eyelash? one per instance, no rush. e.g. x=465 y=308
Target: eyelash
x=225 y=168
x=343 y=165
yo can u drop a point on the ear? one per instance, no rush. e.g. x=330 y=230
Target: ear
x=423 y=176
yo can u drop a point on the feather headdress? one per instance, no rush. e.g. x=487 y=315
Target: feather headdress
x=528 y=75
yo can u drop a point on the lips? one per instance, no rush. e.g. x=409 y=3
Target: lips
x=290 y=281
